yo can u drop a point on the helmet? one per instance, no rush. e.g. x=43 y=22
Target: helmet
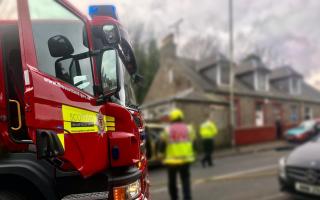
x=176 y=114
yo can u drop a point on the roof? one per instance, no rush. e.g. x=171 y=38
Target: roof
x=251 y=63
x=283 y=72
x=308 y=93
x=210 y=61
x=189 y=95
x=188 y=67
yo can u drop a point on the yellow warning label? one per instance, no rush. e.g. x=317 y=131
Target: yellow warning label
x=78 y=120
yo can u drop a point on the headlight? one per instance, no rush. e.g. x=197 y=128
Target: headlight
x=282 y=168
x=127 y=192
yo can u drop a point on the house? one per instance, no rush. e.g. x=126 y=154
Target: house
x=261 y=95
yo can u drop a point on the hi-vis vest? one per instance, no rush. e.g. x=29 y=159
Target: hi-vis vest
x=208 y=130
x=179 y=148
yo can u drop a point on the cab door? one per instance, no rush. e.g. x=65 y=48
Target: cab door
x=59 y=92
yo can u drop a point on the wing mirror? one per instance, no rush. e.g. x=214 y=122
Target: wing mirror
x=60 y=46
x=110 y=72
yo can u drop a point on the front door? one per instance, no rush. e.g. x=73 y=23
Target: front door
x=59 y=94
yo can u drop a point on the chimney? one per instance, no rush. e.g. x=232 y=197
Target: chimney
x=168 y=47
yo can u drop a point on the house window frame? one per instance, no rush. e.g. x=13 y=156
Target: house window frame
x=266 y=86
x=310 y=113
x=219 y=77
x=260 y=102
x=297 y=113
x=295 y=91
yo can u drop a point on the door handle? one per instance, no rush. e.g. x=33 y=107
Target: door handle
x=19 y=115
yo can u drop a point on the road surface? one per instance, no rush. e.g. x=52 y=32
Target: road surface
x=243 y=177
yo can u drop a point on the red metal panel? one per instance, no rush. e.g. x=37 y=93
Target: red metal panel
x=254 y=135
x=28 y=52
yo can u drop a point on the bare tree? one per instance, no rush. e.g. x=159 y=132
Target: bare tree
x=200 y=47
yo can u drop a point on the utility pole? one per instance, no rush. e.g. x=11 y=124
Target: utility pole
x=176 y=27
x=231 y=86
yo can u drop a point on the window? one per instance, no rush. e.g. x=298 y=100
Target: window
x=295 y=85
x=224 y=75
x=294 y=114
x=51 y=19
x=262 y=81
x=170 y=76
x=277 y=112
x=308 y=113
x=259 y=114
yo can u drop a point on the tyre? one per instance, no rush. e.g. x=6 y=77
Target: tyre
x=8 y=195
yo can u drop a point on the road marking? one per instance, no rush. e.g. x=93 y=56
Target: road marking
x=276 y=196
x=244 y=172
x=234 y=175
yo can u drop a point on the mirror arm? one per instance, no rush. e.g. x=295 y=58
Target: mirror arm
x=64 y=58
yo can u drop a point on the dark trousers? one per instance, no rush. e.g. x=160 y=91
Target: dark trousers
x=184 y=171
x=208 y=148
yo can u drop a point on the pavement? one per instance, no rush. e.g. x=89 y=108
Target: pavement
x=244 y=173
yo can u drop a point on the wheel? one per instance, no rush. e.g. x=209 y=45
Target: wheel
x=8 y=195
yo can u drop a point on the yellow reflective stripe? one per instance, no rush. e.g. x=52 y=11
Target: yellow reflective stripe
x=111 y=124
x=110 y=119
x=61 y=138
x=111 y=128
x=177 y=161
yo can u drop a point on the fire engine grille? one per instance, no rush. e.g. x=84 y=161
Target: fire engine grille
x=303 y=175
x=88 y=196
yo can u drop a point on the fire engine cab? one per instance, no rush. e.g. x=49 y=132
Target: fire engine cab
x=64 y=133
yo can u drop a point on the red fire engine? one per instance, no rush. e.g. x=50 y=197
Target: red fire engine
x=64 y=131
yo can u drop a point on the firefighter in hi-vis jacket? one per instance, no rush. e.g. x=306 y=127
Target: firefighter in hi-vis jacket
x=178 y=138
x=208 y=131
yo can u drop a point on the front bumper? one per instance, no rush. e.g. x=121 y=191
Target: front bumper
x=99 y=186
x=288 y=187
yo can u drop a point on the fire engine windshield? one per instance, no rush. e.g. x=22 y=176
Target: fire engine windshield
x=49 y=19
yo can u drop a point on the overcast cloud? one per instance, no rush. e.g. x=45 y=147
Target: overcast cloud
x=288 y=28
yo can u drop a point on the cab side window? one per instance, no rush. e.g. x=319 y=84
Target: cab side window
x=50 y=19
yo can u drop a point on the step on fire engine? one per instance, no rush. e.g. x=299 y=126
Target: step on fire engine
x=68 y=126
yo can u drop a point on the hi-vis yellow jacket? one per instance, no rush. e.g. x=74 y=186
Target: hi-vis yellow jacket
x=208 y=130
x=179 y=144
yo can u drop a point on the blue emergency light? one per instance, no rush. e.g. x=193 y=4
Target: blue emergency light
x=103 y=10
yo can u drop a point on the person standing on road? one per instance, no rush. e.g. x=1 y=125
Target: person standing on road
x=178 y=138
x=208 y=131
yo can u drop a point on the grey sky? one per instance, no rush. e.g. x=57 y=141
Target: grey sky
x=288 y=28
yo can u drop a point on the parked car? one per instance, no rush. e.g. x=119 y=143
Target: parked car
x=299 y=173
x=306 y=130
